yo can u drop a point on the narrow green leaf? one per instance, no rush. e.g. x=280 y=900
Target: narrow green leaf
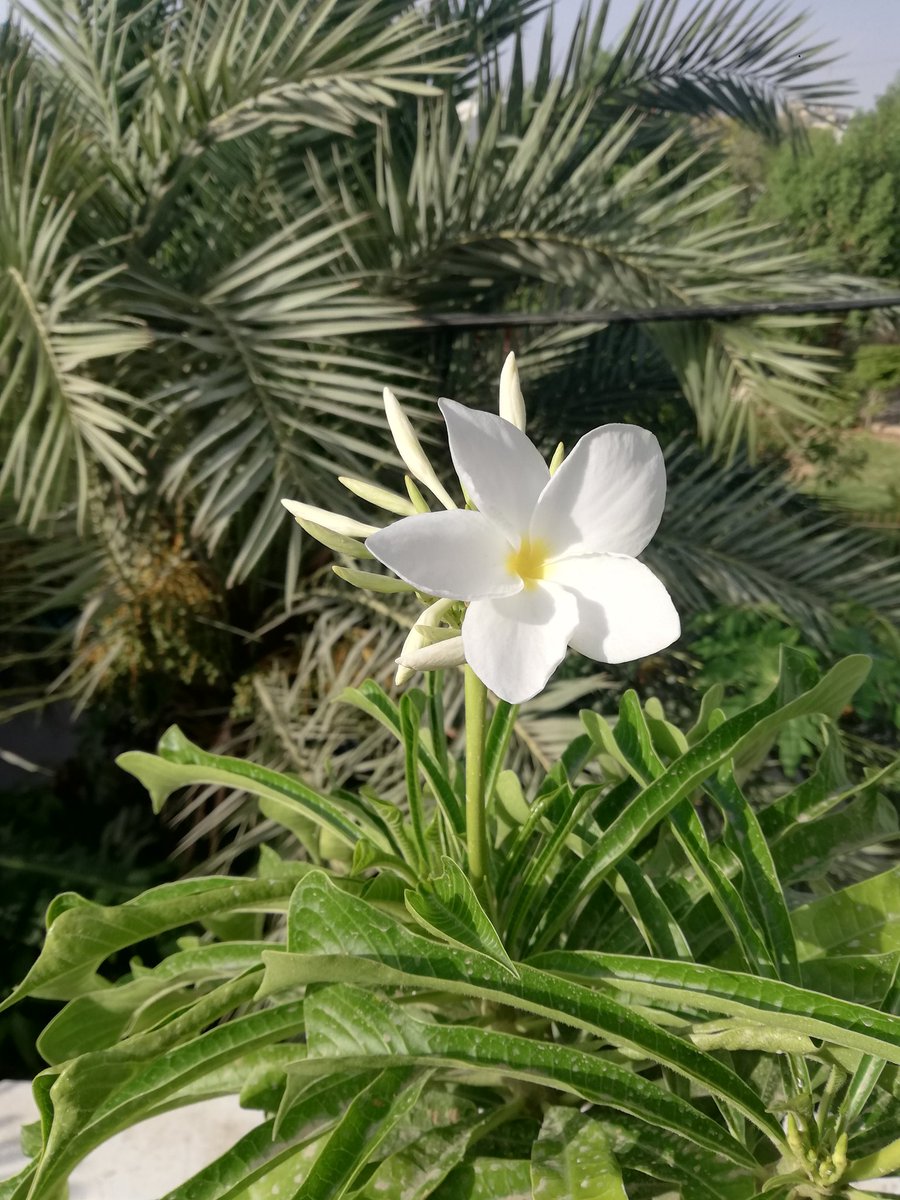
x=80 y=934
x=335 y=938
x=181 y=764
x=810 y=848
x=760 y=885
x=253 y=1158
x=451 y=911
x=365 y=1124
x=371 y=699
x=415 y=1170
x=496 y=744
x=97 y=1095
x=861 y=919
x=487 y=1179
x=741 y=738
x=351 y=1027
x=710 y=989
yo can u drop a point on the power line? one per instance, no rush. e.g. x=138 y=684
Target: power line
x=621 y=316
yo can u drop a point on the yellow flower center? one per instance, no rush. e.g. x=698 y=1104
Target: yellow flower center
x=529 y=561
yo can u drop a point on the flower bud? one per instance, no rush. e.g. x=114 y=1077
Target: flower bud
x=512 y=405
x=418 y=501
x=338 y=542
x=430 y=618
x=839 y=1157
x=556 y=461
x=370 y=582
x=334 y=522
x=447 y=653
x=379 y=496
x=410 y=449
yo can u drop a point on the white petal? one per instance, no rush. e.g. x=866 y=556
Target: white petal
x=328 y=520
x=410 y=449
x=624 y=612
x=607 y=497
x=497 y=465
x=515 y=644
x=455 y=554
x=512 y=404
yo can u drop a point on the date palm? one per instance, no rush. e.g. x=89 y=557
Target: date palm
x=220 y=224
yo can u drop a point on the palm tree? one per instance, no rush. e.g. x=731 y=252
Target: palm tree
x=221 y=224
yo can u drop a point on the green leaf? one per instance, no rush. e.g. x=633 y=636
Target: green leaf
x=80 y=934
x=814 y=795
x=760 y=885
x=283 y=799
x=861 y=919
x=537 y=878
x=414 y=1170
x=647 y=909
x=97 y=1020
x=96 y=1095
x=351 y=1027
x=371 y=699
x=336 y=938
x=258 y=1153
x=572 y=1159
x=710 y=989
x=661 y=1156
x=488 y=1179
x=451 y=911
x=365 y=1124
x=862 y=978
x=496 y=744
x=741 y=738
x=808 y=850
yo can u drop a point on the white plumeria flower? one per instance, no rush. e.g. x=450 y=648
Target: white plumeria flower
x=545 y=562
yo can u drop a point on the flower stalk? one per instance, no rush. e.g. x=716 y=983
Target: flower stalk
x=476 y=839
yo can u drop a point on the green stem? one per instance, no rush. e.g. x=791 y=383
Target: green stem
x=476 y=841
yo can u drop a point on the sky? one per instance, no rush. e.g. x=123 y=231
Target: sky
x=866 y=34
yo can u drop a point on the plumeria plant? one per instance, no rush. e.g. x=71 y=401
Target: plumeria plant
x=645 y=976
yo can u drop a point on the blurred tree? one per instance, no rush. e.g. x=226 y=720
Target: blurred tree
x=221 y=221
x=840 y=196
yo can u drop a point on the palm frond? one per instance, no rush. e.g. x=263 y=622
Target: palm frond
x=750 y=60
x=265 y=394
x=742 y=535
x=61 y=411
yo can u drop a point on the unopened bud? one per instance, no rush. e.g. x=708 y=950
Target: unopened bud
x=337 y=542
x=430 y=618
x=418 y=501
x=335 y=522
x=556 y=461
x=371 y=582
x=794 y=1139
x=410 y=449
x=447 y=653
x=839 y=1157
x=379 y=496
x=512 y=405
